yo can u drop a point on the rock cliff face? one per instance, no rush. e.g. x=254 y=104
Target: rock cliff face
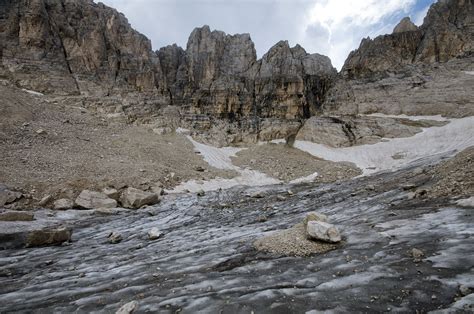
x=75 y=47
x=83 y=48
x=447 y=33
x=219 y=75
x=80 y=47
x=417 y=71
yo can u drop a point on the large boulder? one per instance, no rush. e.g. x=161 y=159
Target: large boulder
x=91 y=199
x=135 y=198
x=323 y=231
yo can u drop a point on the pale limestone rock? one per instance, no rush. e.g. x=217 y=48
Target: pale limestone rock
x=63 y=204
x=91 y=199
x=135 y=198
x=323 y=231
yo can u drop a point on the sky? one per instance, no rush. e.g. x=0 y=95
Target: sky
x=329 y=27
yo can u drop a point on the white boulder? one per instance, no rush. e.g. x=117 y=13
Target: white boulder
x=323 y=231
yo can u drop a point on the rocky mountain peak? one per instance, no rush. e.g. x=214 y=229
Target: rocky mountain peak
x=405 y=25
x=447 y=32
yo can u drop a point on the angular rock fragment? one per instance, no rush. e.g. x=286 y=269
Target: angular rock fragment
x=114 y=237
x=48 y=236
x=128 y=308
x=7 y=196
x=91 y=199
x=323 y=231
x=63 y=204
x=111 y=193
x=135 y=198
x=417 y=255
x=154 y=234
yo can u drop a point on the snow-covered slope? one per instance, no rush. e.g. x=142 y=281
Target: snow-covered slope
x=394 y=153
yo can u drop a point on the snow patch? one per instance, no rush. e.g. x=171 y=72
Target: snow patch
x=413 y=118
x=220 y=158
x=276 y=141
x=454 y=136
x=217 y=157
x=469 y=72
x=307 y=179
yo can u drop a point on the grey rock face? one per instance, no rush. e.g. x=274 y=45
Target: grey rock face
x=446 y=33
x=421 y=89
x=291 y=83
x=75 y=47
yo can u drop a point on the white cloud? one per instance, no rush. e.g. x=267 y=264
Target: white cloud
x=348 y=21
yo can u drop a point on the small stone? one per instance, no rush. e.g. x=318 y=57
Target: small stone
x=417 y=254
x=154 y=234
x=41 y=132
x=257 y=195
x=323 y=231
x=281 y=198
x=63 y=204
x=370 y=188
x=200 y=193
x=434 y=297
x=408 y=186
x=128 y=308
x=290 y=192
x=199 y=169
x=465 y=290
x=45 y=200
x=114 y=237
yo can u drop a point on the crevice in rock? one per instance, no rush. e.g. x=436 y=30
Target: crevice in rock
x=53 y=25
